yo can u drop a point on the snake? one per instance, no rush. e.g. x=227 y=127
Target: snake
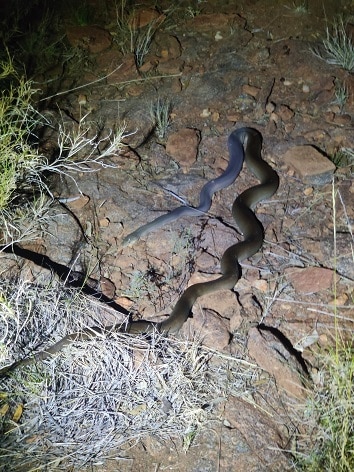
x=245 y=145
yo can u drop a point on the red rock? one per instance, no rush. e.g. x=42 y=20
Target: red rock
x=78 y=203
x=210 y=328
x=168 y=47
x=125 y=73
x=310 y=279
x=251 y=90
x=145 y=16
x=265 y=356
x=183 y=146
x=263 y=433
x=107 y=287
x=285 y=112
x=208 y=21
x=92 y=38
x=316 y=135
x=310 y=164
x=342 y=120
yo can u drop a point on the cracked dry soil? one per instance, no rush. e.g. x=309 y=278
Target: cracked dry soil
x=245 y=63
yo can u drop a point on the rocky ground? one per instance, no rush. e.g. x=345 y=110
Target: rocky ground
x=219 y=67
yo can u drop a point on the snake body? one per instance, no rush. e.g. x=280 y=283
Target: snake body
x=246 y=220
x=224 y=180
x=244 y=144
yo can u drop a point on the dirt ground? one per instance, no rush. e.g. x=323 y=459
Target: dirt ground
x=220 y=65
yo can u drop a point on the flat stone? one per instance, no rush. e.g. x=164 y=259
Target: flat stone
x=310 y=279
x=207 y=326
x=343 y=120
x=312 y=166
x=251 y=90
x=77 y=203
x=265 y=356
x=171 y=67
x=224 y=302
x=266 y=436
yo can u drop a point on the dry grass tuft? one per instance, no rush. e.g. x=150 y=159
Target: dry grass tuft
x=337 y=47
x=327 y=418
x=92 y=398
x=328 y=415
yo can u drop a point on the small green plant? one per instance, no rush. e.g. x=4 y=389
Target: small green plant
x=140 y=286
x=18 y=120
x=23 y=167
x=189 y=438
x=160 y=113
x=299 y=7
x=25 y=222
x=193 y=11
x=343 y=157
x=40 y=48
x=78 y=150
x=81 y=12
x=132 y=38
x=338 y=47
x=327 y=417
x=143 y=40
x=126 y=31
x=331 y=407
x=341 y=95
x=181 y=257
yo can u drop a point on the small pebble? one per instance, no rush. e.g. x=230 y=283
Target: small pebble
x=270 y=107
x=82 y=99
x=308 y=191
x=218 y=36
x=205 y=113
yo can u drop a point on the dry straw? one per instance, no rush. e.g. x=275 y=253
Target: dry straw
x=94 y=397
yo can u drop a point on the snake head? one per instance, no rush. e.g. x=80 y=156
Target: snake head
x=129 y=240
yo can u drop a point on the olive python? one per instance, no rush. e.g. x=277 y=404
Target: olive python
x=245 y=145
